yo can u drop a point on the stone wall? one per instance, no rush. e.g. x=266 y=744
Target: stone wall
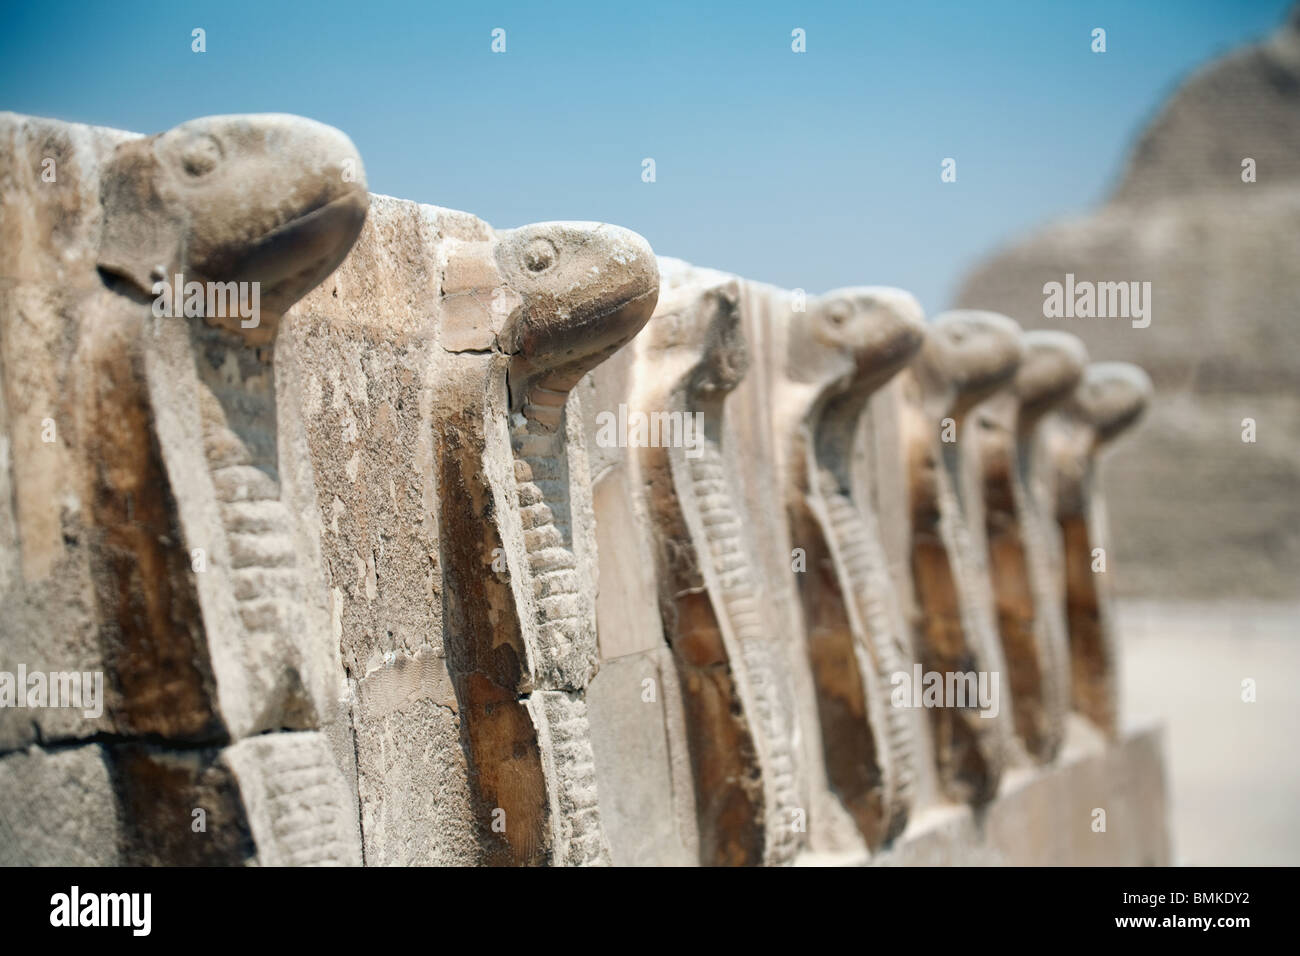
x=523 y=547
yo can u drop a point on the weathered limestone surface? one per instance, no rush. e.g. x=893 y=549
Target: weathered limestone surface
x=1047 y=819
x=280 y=777
x=456 y=521
x=362 y=359
x=1223 y=260
x=194 y=584
x=1027 y=598
x=845 y=345
x=1110 y=399
x=921 y=425
x=48 y=597
x=754 y=448
x=586 y=289
x=58 y=808
x=737 y=716
x=638 y=721
x=792 y=387
x=643 y=767
x=389 y=572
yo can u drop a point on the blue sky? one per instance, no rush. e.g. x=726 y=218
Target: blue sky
x=812 y=170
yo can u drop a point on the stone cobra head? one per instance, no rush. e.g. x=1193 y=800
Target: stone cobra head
x=267 y=198
x=967 y=356
x=584 y=289
x=696 y=337
x=855 y=338
x=1049 y=373
x=1110 y=399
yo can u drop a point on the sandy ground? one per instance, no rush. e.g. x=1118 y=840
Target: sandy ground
x=1233 y=767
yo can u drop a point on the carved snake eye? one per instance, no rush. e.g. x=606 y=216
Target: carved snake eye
x=837 y=315
x=540 y=255
x=200 y=155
